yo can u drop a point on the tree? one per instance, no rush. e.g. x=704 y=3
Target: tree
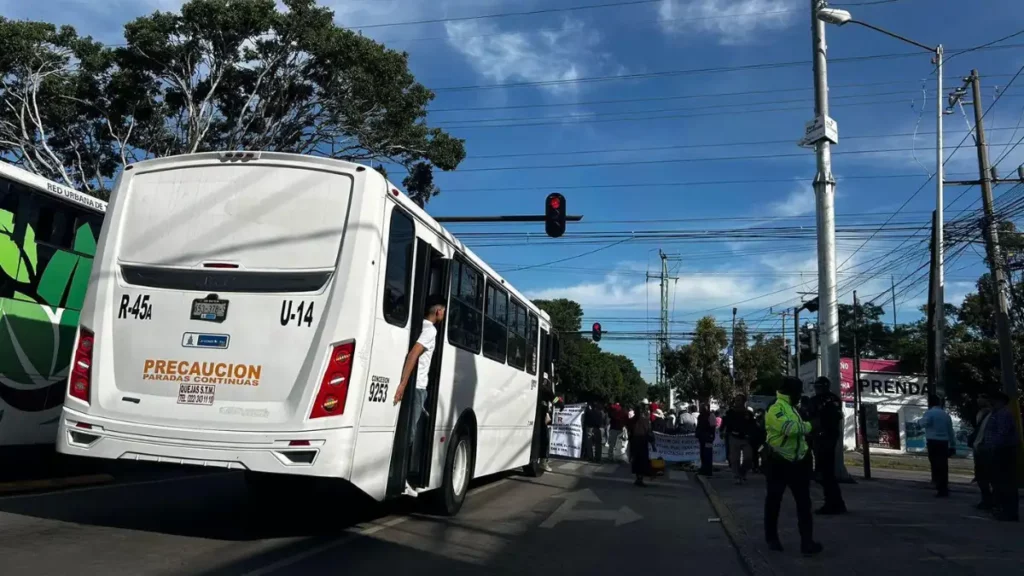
x=769 y=359
x=744 y=366
x=698 y=369
x=585 y=372
x=48 y=79
x=227 y=75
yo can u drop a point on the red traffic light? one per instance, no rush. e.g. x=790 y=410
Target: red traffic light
x=597 y=326
x=555 y=203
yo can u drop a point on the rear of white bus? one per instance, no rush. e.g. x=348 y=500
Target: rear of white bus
x=226 y=323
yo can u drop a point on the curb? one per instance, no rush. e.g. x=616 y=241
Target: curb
x=19 y=487
x=753 y=562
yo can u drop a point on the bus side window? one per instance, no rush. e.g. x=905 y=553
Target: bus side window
x=496 y=323
x=517 y=331
x=398 y=273
x=531 y=345
x=465 y=322
x=8 y=218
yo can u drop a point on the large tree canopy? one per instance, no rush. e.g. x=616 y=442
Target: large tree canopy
x=585 y=372
x=219 y=75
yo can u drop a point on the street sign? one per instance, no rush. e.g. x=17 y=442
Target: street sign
x=870 y=422
x=566 y=511
x=821 y=128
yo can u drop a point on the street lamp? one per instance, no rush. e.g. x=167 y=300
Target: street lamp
x=841 y=17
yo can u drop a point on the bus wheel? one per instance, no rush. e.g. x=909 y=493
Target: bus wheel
x=458 y=471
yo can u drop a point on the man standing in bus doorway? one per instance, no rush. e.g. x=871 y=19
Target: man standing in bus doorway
x=419 y=359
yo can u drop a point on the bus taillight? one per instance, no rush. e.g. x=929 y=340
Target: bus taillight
x=333 y=391
x=81 y=370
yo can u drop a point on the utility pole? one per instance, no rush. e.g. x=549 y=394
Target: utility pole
x=823 y=134
x=995 y=261
x=892 y=279
x=660 y=378
x=858 y=406
x=796 y=340
x=732 y=353
x=784 y=314
x=934 y=355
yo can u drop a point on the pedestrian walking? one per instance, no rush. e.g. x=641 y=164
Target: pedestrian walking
x=1002 y=435
x=616 y=423
x=592 y=441
x=641 y=440
x=941 y=443
x=758 y=440
x=706 y=440
x=982 y=453
x=738 y=428
x=827 y=421
x=788 y=466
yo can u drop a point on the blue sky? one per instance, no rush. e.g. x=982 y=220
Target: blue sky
x=877 y=103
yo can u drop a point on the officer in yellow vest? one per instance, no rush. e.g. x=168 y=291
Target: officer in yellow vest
x=788 y=464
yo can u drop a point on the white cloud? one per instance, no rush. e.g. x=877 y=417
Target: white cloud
x=542 y=56
x=731 y=21
x=690 y=291
x=799 y=202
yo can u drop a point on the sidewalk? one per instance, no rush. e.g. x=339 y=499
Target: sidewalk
x=895 y=525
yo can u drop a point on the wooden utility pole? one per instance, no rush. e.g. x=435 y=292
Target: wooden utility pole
x=995 y=260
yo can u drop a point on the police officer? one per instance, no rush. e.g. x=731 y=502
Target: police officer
x=827 y=417
x=787 y=464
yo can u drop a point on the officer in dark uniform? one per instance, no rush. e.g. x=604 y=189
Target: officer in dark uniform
x=826 y=412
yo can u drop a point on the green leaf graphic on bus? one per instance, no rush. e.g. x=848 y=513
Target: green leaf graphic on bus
x=37 y=324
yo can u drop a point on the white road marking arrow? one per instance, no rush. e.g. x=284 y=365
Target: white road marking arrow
x=566 y=510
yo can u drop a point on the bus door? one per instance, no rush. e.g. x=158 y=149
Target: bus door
x=411 y=461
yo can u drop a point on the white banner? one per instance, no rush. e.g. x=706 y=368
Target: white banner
x=678 y=448
x=567 y=431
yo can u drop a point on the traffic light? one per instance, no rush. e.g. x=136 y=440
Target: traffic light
x=554 y=215
x=595 y=331
x=812 y=306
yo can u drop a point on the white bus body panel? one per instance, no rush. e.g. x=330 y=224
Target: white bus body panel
x=177 y=213
x=278 y=214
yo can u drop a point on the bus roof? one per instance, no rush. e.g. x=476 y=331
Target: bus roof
x=37 y=182
x=402 y=199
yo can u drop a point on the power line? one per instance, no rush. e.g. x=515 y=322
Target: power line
x=690 y=71
x=509 y=14
x=682 y=184
x=672 y=161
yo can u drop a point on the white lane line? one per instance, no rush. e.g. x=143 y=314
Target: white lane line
x=353 y=533
x=118 y=485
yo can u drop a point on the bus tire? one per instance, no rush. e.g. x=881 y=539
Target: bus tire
x=458 y=472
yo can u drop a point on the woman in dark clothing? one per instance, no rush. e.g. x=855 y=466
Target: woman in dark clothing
x=641 y=439
x=706 y=438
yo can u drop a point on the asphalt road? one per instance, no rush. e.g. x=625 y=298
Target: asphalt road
x=581 y=519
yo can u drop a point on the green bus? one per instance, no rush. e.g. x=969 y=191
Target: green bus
x=48 y=236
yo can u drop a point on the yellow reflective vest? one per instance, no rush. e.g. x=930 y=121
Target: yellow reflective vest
x=786 y=432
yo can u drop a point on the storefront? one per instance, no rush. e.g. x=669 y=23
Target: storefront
x=901 y=400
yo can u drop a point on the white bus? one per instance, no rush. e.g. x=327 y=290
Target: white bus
x=253 y=311
x=48 y=236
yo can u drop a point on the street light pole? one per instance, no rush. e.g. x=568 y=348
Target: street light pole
x=824 y=195
x=839 y=18
x=940 y=281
